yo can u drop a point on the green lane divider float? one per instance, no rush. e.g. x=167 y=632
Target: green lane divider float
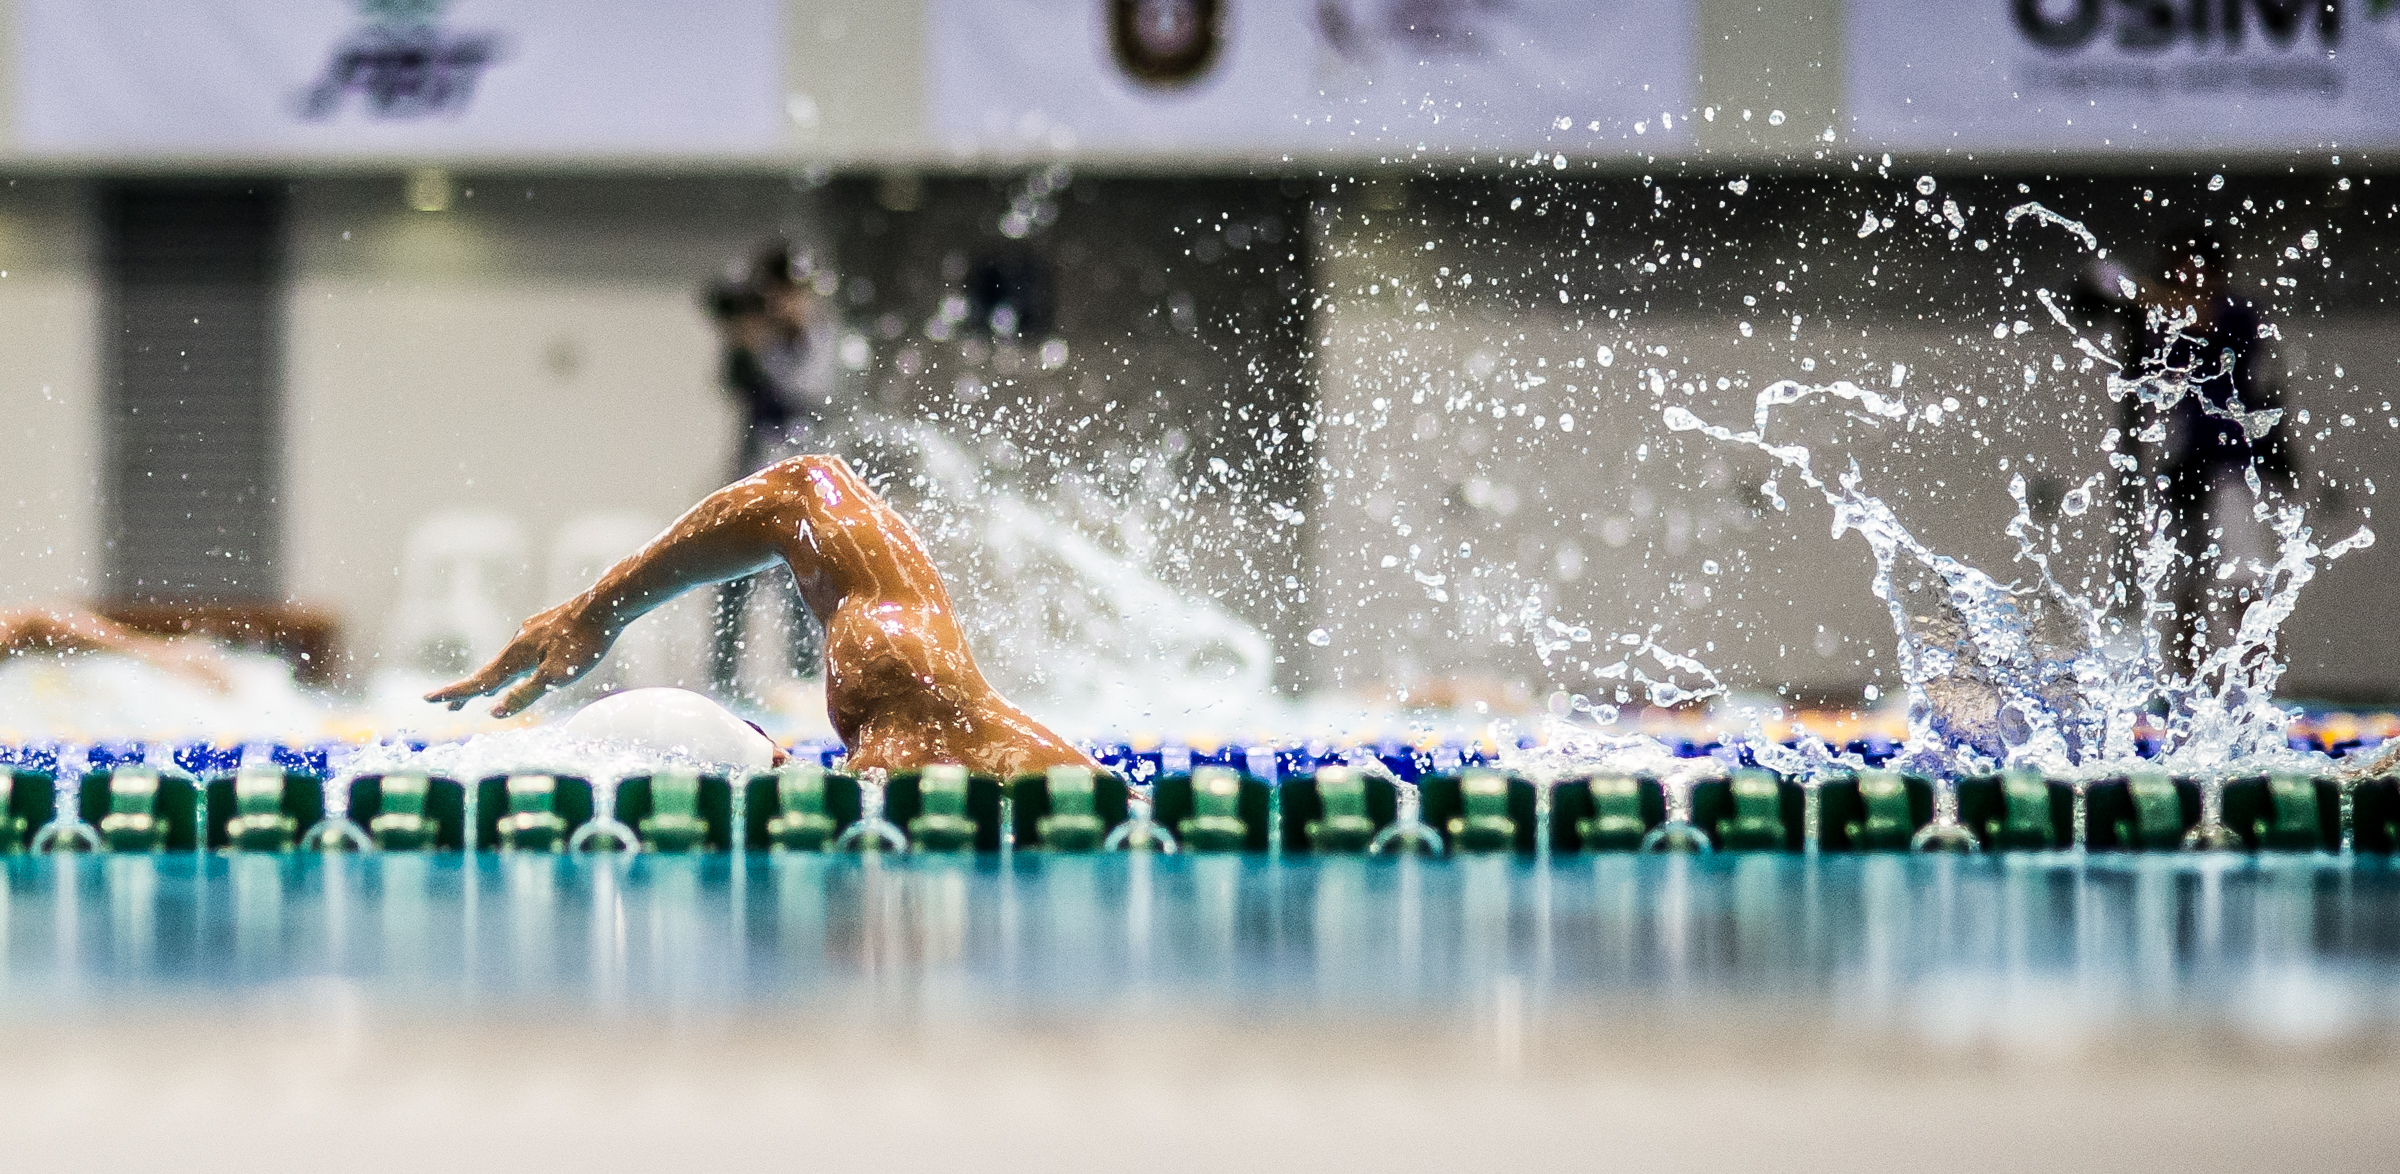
x=1224 y=807
x=1478 y=808
x=2293 y=823
x=2285 y=812
x=1888 y=818
x=674 y=823
x=800 y=807
x=260 y=808
x=1755 y=821
x=801 y=820
x=1342 y=824
x=533 y=823
x=965 y=808
x=1067 y=809
x=2017 y=810
x=941 y=823
x=1872 y=811
x=401 y=822
x=132 y=823
x=138 y=807
x=259 y=823
x=16 y=787
x=1073 y=822
x=1216 y=823
x=2146 y=811
x=1484 y=822
x=1618 y=820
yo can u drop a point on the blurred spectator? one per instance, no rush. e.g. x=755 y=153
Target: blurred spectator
x=778 y=364
x=2188 y=327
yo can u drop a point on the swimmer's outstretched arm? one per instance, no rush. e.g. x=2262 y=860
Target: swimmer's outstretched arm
x=740 y=529
x=60 y=629
x=71 y=629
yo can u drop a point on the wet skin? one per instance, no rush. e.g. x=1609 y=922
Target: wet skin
x=70 y=629
x=900 y=685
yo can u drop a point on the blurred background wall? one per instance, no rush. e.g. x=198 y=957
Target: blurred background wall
x=50 y=389
x=496 y=327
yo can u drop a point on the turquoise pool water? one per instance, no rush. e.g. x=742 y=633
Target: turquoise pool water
x=2285 y=947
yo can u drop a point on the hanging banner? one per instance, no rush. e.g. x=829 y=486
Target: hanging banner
x=398 y=77
x=2140 y=75
x=1313 y=77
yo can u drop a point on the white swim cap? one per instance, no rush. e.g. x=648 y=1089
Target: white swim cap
x=677 y=720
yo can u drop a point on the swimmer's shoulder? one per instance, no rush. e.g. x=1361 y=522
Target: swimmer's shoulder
x=808 y=466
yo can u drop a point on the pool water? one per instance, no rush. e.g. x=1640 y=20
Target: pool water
x=2277 y=947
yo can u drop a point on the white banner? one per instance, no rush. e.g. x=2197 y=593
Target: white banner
x=1346 y=77
x=2156 y=75
x=398 y=77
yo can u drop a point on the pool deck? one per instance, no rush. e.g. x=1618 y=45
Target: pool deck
x=1868 y=1012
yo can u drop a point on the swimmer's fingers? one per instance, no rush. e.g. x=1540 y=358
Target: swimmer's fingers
x=513 y=662
x=560 y=665
x=526 y=693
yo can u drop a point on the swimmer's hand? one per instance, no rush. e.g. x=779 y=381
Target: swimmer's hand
x=552 y=649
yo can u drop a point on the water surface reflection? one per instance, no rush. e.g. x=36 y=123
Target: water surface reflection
x=2285 y=946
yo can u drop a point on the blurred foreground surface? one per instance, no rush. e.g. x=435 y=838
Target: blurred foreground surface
x=1656 y=1012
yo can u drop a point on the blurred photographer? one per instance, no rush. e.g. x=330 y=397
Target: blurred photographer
x=777 y=343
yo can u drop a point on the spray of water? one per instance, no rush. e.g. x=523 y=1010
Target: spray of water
x=1085 y=637
x=539 y=750
x=2064 y=678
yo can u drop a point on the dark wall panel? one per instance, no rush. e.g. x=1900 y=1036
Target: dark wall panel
x=192 y=369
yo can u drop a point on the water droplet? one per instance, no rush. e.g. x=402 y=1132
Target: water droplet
x=1774 y=118
x=1925 y=185
x=1320 y=637
x=2216 y=183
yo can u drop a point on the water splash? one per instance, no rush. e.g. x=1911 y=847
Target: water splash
x=105 y=697
x=539 y=750
x=2041 y=674
x=1085 y=637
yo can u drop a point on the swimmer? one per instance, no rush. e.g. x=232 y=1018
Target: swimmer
x=62 y=629
x=900 y=686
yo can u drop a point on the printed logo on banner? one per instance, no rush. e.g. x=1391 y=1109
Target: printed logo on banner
x=2265 y=47
x=402 y=64
x=1358 y=30
x=1346 y=76
x=1165 y=42
x=2113 y=74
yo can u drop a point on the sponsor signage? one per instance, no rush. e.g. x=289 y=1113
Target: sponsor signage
x=398 y=77
x=1345 y=77
x=2172 y=75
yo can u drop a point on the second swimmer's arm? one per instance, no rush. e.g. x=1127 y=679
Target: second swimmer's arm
x=742 y=528
x=70 y=629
